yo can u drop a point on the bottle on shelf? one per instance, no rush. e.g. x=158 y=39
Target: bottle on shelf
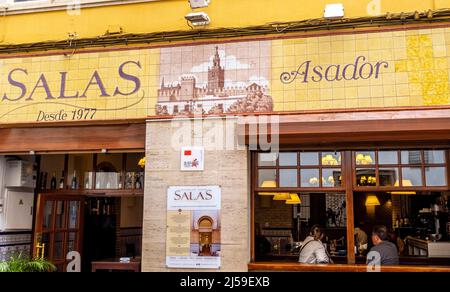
x=138 y=181
x=41 y=180
x=44 y=187
x=120 y=181
x=53 y=182
x=61 y=181
x=74 y=184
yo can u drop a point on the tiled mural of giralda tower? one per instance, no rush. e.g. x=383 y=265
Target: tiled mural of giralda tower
x=213 y=80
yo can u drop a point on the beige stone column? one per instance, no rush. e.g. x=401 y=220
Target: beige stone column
x=228 y=168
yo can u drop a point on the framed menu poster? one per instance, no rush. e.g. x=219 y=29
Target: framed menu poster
x=193 y=227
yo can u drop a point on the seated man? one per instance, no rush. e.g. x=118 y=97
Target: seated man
x=387 y=251
x=312 y=250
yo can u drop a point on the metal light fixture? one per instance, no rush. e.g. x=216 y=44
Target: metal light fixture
x=198 y=18
x=334 y=10
x=198 y=3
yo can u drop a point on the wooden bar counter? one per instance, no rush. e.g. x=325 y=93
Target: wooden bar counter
x=297 y=267
x=114 y=264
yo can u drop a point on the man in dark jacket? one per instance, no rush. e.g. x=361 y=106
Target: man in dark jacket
x=388 y=254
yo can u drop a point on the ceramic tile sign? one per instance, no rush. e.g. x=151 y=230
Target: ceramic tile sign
x=193 y=227
x=192 y=158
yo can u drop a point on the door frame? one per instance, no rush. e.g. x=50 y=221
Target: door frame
x=38 y=229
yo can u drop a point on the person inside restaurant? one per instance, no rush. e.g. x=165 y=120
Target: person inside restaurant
x=384 y=252
x=313 y=250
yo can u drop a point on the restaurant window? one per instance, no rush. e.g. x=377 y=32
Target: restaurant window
x=400 y=168
x=299 y=170
x=295 y=190
x=282 y=226
x=406 y=191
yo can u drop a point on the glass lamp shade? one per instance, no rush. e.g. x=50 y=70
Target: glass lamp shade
x=368 y=159
x=268 y=184
x=329 y=160
x=294 y=200
x=282 y=197
x=372 y=200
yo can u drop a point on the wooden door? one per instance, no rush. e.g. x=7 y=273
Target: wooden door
x=58 y=229
x=205 y=243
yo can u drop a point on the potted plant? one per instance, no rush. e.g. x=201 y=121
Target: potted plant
x=22 y=263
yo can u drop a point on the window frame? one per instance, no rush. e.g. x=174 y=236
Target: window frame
x=400 y=166
x=348 y=168
x=299 y=167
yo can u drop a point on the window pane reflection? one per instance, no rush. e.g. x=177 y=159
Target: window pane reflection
x=331 y=158
x=71 y=243
x=309 y=158
x=48 y=214
x=411 y=157
x=266 y=177
x=309 y=178
x=331 y=177
x=435 y=176
x=388 y=157
x=366 y=177
x=73 y=214
x=412 y=176
x=434 y=156
x=59 y=245
x=288 y=159
x=288 y=178
x=365 y=158
x=60 y=214
x=388 y=176
x=267 y=159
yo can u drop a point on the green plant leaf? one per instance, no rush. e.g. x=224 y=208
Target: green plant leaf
x=21 y=263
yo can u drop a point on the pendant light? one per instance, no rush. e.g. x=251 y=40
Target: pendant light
x=405 y=183
x=268 y=184
x=372 y=200
x=282 y=197
x=294 y=200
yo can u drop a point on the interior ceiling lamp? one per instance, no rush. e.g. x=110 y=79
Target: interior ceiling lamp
x=294 y=200
x=268 y=184
x=198 y=3
x=363 y=159
x=198 y=18
x=282 y=197
x=405 y=183
x=329 y=160
x=334 y=10
x=372 y=200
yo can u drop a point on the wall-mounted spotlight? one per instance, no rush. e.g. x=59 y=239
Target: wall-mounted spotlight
x=104 y=151
x=198 y=18
x=198 y=3
x=334 y=10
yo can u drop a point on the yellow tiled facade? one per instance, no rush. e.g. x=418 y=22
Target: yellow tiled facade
x=80 y=69
x=418 y=72
x=417 y=75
